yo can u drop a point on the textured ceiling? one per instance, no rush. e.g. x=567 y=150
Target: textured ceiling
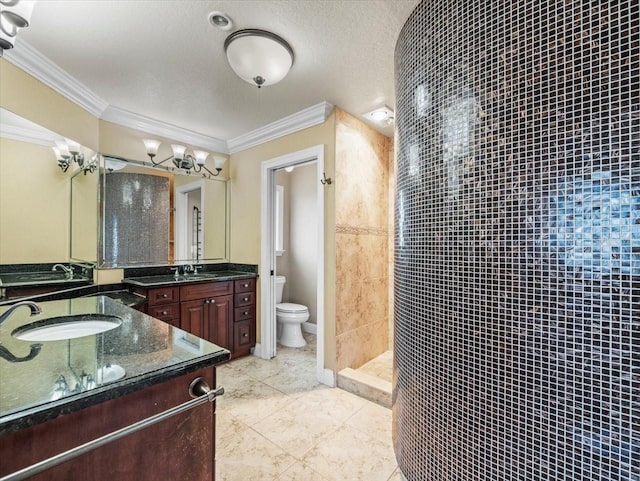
x=163 y=60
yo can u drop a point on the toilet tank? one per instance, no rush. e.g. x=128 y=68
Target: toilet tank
x=280 y=280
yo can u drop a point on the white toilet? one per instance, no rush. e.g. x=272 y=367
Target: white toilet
x=290 y=318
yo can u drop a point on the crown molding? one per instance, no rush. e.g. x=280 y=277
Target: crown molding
x=314 y=115
x=27 y=58
x=163 y=129
x=40 y=67
x=33 y=136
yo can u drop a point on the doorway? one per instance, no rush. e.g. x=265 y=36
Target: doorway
x=267 y=348
x=189 y=232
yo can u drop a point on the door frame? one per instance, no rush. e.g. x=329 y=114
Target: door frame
x=182 y=218
x=266 y=349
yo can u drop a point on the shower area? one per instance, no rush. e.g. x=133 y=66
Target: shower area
x=517 y=241
x=364 y=182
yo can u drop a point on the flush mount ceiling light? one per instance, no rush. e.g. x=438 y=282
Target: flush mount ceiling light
x=381 y=115
x=258 y=57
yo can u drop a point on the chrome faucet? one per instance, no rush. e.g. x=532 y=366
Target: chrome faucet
x=35 y=310
x=68 y=270
x=35 y=348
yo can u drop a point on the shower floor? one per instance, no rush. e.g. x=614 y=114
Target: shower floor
x=371 y=381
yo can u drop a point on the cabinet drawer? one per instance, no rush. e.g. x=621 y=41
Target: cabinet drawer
x=243 y=336
x=165 y=312
x=245 y=285
x=244 y=299
x=205 y=290
x=245 y=312
x=163 y=295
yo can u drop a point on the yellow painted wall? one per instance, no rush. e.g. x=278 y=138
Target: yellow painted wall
x=84 y=217
x=245 y=210
x=125 y=142
x=34 y=199
x=34 y=205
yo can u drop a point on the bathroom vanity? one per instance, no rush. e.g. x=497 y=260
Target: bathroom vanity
x=219 y=307
x=75 y=390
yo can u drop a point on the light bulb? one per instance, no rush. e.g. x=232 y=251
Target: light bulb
x=178 y=151
x=152 y=146
x=219 y=161
x=73 y=146
x=63 y=148
x=201 y=156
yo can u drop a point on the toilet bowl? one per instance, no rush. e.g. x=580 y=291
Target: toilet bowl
x=289 y=318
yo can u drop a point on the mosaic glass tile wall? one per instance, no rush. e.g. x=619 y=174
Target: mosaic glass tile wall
x=136 y=219
x=517 y=277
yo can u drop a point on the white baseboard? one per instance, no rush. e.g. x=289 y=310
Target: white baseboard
x=257 y=351
x=327 y=377
x=310 y=327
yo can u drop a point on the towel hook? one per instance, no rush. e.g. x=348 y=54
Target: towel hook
x=325 y=180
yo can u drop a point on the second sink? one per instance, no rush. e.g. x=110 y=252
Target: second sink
x=66 y=327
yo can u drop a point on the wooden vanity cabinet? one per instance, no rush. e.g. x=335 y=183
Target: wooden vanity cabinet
x=163 y=303
x=244 y=325
x=205 y=311
x=181 y=447
x=222 y=312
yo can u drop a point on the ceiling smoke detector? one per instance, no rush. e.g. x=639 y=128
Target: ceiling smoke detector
x=220 y=20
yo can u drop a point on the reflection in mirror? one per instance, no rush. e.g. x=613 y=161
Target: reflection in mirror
x=35 y=194
x=157 y=215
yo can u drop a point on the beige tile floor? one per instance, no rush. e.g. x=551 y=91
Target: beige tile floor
x=276 y=423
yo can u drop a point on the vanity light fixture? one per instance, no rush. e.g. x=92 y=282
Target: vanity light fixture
x=381 y=115
x=14 y=15
x=68 y=151
x=184 y=160
x=258 y=57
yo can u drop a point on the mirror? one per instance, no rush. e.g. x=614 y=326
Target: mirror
x=154 y=215
x=50 y=216
x=35 y=197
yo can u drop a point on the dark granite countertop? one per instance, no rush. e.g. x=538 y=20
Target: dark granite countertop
x=140 y=352
x=169 y=279
x=43 y=278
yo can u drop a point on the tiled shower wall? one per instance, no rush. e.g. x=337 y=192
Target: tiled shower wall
x=136 y=219
x=517 y=259
x=362 y=229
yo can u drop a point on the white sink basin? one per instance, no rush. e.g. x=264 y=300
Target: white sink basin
x=66 y=327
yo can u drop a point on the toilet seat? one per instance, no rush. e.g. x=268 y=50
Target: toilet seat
x=289 y=307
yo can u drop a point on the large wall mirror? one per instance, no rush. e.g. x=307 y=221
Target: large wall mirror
x=151 y=215
x=36 y=205
x=123 y=213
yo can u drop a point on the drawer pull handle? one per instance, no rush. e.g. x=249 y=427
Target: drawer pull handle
x=245 y=313
x=245 y=299
x=165 y=295
x=213 y=301
x=245 y=285
x=164 y=313
x=206 y=301
x=245 y=335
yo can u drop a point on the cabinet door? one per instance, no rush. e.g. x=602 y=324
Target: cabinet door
x=219 y=318
x=193 y=317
